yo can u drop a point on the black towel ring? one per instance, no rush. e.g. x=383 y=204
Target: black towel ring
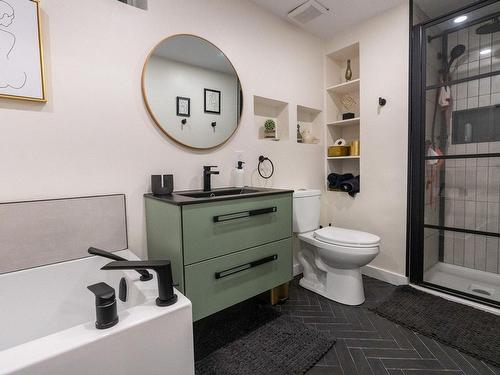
x=262 y=159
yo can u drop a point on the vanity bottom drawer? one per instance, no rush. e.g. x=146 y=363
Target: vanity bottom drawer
x=215 y=284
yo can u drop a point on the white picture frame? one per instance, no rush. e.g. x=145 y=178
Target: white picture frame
x=21 y=52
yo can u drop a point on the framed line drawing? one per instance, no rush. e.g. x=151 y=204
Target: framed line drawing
x=21 y=52
x=183 y=106
x=212 y=101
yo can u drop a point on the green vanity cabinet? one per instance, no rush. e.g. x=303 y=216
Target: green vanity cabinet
x=225 y=250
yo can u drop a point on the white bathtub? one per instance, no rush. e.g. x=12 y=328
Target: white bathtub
x=47 y=318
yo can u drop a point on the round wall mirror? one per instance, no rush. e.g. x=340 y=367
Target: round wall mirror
x=192 y=91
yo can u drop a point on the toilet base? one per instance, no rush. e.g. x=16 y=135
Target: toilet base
x=343 y=286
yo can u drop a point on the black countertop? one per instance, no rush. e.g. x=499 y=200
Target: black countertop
x=178 y=198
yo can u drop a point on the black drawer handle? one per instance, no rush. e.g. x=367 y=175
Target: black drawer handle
x=243 y=267
x=244 y=214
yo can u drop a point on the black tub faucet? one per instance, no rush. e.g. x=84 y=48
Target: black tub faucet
x=145 y=275
x=105 y=304
x=163 y=269
x=207 y=172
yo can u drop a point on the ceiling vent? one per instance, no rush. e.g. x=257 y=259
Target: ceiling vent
x=307 y=12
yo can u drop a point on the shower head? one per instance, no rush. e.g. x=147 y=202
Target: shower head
x=489 y=28
x=455 y=53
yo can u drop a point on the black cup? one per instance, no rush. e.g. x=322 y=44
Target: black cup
x=159 y=188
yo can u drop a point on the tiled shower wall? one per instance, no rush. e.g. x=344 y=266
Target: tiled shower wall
x=472 y=192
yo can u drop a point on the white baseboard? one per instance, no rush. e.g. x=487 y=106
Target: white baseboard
x=372 y=271
x=384 y=275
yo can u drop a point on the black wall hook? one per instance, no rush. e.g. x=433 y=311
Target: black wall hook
x=183 y=121
x=382 y=101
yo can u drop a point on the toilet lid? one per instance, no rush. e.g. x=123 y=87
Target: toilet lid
x=346 y=237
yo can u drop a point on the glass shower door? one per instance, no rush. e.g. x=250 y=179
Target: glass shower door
x=458 y=146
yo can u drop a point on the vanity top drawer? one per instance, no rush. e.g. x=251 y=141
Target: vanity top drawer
x=218 y=283
x=219 y=228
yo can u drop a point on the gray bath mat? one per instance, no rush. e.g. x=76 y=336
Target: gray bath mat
x=469 y=330
x=283 y=346
x=226 y=326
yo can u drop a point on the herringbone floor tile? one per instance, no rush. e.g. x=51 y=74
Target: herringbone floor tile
x=368 y=344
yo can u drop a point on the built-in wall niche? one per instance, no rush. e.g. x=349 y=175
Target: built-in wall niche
x=141 y=4
x=343 y=117
x=348 y=131
x=341 y=102
x=336 y=65
x=275 y=110
x=309 y=123
x=342 y=165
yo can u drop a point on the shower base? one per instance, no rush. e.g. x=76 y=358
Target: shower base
x=475 y=282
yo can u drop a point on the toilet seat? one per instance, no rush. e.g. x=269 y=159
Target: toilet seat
x=339 y=249
x=346 y=237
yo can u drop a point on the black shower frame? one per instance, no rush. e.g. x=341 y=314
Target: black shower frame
x=416 y=154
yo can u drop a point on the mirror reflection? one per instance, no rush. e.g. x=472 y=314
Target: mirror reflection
x=192 y=91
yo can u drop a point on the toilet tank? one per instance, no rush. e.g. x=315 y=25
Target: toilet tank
x=306 y=210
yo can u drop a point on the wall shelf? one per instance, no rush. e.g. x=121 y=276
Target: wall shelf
x=336 y=190
x=342 y=157
x=345 y=88
x=349 y=122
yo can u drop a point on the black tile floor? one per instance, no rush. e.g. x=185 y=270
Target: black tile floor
x=369 y=344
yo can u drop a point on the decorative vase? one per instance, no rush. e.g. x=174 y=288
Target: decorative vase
x=354 y=150
x=348 y=71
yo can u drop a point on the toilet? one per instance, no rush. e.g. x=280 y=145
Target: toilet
x=331 y=257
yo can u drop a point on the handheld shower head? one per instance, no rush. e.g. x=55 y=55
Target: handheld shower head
x=455 y=53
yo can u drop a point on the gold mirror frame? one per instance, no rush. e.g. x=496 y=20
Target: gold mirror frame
x=150 y=110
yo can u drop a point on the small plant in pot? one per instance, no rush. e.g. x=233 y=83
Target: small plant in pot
x=270 y=129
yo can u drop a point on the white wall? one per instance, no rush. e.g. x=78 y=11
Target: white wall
x=166 y=79
x=94 y=136
x=380 y=207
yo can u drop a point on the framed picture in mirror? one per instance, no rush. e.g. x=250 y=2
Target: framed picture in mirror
x=183 y=106
x=212 y=101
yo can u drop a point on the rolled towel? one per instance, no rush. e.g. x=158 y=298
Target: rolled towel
x=336 y=179
x=351 y=186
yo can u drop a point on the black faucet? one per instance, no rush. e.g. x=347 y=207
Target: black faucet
x=163 y=269
x=206 y=176
x=145 y=275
